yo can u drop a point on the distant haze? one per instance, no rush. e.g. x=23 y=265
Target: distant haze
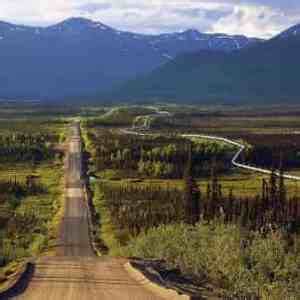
x=80 y=57
x=259 y=18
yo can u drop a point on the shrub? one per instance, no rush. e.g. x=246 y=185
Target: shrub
x=241 y=264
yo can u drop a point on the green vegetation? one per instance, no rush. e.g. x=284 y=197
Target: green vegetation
x=120 y=116
x=157 y=157
x=241 y=264
x=180 y=200
x=107 y=239
x=162 y=196
x=16 y=148
x=27 y=224
x=246 y=184
x=252 y=75
x=31 y=189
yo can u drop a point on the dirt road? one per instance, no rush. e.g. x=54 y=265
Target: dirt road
x=75 y=272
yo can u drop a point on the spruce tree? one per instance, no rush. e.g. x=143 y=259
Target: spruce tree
x=270 y=216
x=265 y=191
x=230 y=206
x=215 y=191
x=191 y=192
x=281 y=194
x=273 y=188
x=244 y=219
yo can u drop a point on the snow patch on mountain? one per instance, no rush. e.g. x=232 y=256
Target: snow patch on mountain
x=172 y=43
x=293 y=31
x=100 y=26
x=167 y=56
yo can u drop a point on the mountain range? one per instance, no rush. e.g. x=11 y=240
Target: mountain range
x=264 y=72
x=82 y=58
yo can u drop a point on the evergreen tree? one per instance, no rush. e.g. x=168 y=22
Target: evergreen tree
x=265 y=192
x=281 y=194
x=216 y=191
x=229 y=207
x=191 y=192
x=270 y=216
x=273 y=188
x=244 y=219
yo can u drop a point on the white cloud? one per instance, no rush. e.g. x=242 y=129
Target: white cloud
x=255 y=20
x=261 y=18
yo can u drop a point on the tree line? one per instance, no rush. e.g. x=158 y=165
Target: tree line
x=156 y=157
x=21 y=147
x=17 y=227
x=270 y=209
x=135 y=208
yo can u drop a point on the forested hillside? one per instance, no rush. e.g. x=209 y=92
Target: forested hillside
x=264 y=72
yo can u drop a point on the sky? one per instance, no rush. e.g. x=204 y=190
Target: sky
x=256 y=18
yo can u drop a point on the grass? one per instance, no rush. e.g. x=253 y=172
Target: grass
x=12 y=269
x=120 y=116
x=106 y=240
x=266 y=266
x=246 y=183
x=51 y=205
x=49 y=175
x=243 y=183
x=45 y=207
x=106 y=234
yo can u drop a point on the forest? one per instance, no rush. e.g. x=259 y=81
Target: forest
x=135 y=208
x=161 y=197
x=22 y=147
x=164 y=197
x=30 y=164
x=155 y=157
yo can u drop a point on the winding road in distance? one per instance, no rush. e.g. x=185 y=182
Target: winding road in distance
x=147 y=126
x=75 y=272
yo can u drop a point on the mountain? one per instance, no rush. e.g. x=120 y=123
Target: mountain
x=80 y=57
x=291 y=32
x=267 y=71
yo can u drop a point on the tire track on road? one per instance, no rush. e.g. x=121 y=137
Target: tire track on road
x=75 y=272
